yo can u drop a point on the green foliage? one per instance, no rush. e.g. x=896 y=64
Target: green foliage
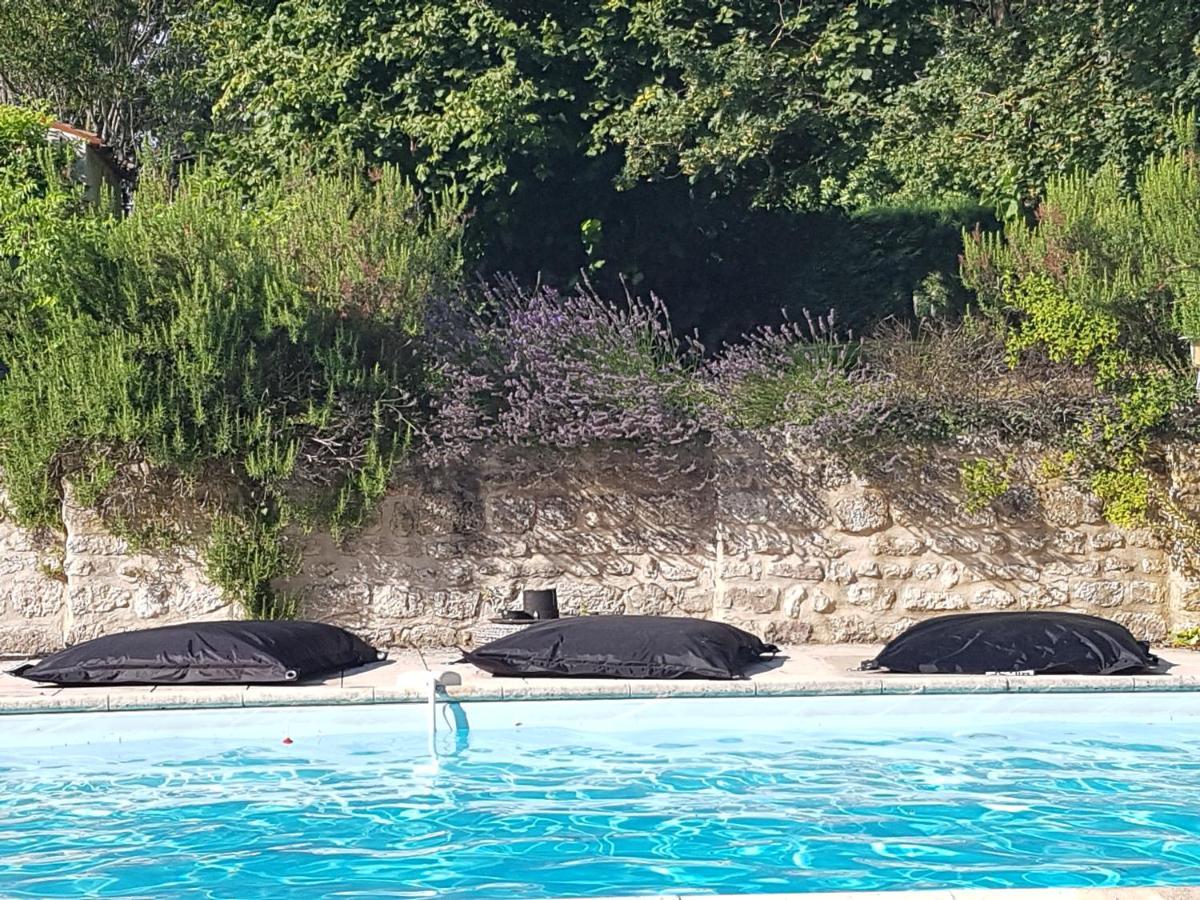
x=983 y=481
x=1104 y=281
x=269 y=344
x=773 y=102
x=1032 y=91
x=569 y=124
x=243 y=557
x=105 y=65
x=22 y=132
x=1187 y=637
x=1126 y=495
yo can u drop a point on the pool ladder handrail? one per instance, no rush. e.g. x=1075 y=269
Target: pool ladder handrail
x=438 y=679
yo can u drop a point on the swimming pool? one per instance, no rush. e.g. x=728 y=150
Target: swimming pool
x=593 y=798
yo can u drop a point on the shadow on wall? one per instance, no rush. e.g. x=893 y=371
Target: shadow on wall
x=789 y=544
x=451 y=547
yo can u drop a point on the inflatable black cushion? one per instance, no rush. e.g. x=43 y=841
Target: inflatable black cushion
x=623 y=647
x=1040 y=642
x=206 y=653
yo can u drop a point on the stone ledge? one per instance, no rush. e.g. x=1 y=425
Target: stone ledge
x=802 y=671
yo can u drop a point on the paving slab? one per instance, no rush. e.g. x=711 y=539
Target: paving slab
x=805 y=670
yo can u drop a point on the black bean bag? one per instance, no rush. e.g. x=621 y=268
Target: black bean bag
x=1048 y=643
x=206 y=653
x=623 y=647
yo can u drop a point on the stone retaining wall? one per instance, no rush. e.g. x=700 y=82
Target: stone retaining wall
x=795 y=548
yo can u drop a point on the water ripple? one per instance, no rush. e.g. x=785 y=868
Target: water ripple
x=546 y=813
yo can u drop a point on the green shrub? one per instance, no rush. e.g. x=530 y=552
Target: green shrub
x=1105 y=281
x=267 y=344
x=984 y=481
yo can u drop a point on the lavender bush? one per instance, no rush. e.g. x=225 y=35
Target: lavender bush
x=536 y=368
x=869 y=400
x=793 y=374
x=540 y=368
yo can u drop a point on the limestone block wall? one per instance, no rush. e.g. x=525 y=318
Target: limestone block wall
x=794 y=547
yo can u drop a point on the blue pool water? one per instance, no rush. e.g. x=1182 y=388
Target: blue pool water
x=598 y=798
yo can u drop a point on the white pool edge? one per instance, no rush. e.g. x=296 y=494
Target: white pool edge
x=126 y=698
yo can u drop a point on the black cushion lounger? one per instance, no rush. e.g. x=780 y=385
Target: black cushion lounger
x=207 y=653
x=1048 y=643
x=623 y=647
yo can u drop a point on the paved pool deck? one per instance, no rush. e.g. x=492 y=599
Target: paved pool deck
x=806 y=670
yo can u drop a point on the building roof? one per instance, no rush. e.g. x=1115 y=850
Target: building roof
x=89 y=137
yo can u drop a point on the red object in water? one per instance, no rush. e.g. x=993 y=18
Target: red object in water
x=287 y=740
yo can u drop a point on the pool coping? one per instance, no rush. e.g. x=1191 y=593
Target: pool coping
x=804 y=671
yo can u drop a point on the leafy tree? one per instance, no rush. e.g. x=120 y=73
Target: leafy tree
x=554 y=117
x=772 y=100
x=1020 y=92
x=105 y=65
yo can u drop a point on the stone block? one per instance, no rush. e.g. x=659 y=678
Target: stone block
x=926 y=571
x=896 y=570
x=29 y=639
x=798 y=570
x=1147 y=592
x=1042 y=597
x=950 y=576
x=1067 y=506
x=557 y=513
x=462 y=606
x=785 y=632
x=679 y=571
x=93 y=597
x=993 y=598
x=916 y=598
x=33 y=596
x=448 y=512
x=839 y=572
x=896 y=543
x=744 y=508
x=1104 y=541
x=864 y=512
x=756 y=540
x=695 y=601
x=1145 y=626
x=577 y=597
x=793 y=600
x=649 y=599
x=742 y=569
x=822 y=602
x=96 y=545
x=1066 y=540
x=820 y=546
x=618 y=566
x=759 y=599
x=509 y=514
x=1153 y=565
x=425 y=634
x=1098 y=593
x=870 y=596
x=855 y=630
